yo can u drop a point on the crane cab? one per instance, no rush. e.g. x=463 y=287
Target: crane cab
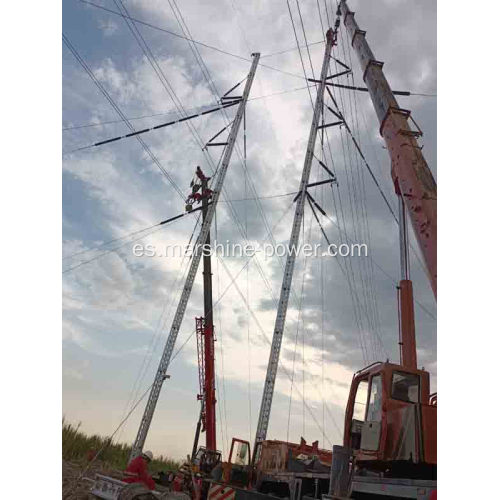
x=237 y=470
x=206 y=460
x=391 y=420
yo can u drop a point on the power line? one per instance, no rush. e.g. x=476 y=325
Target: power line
x=98 y=247
x=268 y=341
x=155 y=339
x=85 y=66
x=189 y=39
x=352 y=289
x=358 y=216
x=110 y=122
x=193 y=132
x=156 y=127
x=159 y=226
x=305 y=76
x=166 y=221
x=293 y=49
x=281 y=92
x=372 y=175
x=298 y=48
x=382 y=270
x=198 y=42
x=234 y=214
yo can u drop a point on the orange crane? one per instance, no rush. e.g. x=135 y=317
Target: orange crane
x=391 y=417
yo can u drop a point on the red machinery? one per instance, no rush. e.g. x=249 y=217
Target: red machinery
x=206 y=351
x=391 y=422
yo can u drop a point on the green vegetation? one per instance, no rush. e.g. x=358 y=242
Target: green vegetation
x=78 y=446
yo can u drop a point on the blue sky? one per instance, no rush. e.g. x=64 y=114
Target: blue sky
x=112 y=307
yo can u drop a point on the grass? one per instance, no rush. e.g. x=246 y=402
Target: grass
x=78 y=446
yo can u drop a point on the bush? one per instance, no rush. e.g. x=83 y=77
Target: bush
x=76 y=445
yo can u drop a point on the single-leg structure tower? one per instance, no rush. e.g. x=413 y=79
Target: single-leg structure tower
x=211 y=439
x=188 y=286
x=272 y=367
x=206 y=349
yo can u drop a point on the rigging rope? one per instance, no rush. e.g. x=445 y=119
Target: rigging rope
x=220 y=338
x=249 y=349
x=355 y=217
x=153 y=344
x=268 y=341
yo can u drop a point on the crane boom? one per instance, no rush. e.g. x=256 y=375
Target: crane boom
x=272 y=367
x=412 y=177
x=186 y=292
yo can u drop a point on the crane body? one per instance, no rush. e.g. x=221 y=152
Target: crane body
x=390 y=423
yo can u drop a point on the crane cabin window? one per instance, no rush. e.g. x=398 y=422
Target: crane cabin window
x=374 y=412
x=405 y=387
x=360 y=401
x=242 y=453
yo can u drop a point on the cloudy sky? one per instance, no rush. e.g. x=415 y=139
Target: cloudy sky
x=118 y=308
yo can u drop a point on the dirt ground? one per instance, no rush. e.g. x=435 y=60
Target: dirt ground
x=70 y=473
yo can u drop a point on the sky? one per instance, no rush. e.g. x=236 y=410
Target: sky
x=118 y=308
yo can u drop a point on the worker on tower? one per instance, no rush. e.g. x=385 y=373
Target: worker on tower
x=201 y=175
x=196 y=196
x=137 y=470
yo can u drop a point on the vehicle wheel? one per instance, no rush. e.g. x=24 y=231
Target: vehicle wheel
x=135 y=491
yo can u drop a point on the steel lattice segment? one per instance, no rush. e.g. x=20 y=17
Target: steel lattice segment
x=186 y=292
x=272 y=368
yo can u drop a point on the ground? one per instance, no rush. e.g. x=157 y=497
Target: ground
x=71 y=470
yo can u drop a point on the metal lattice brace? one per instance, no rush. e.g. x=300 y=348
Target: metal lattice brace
x=272 y=367
x=186 y=292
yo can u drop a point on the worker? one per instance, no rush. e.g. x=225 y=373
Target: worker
x=195 y=196
x=197 y=486
x=201 y=175
x=137 y=470
x=178 y=482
